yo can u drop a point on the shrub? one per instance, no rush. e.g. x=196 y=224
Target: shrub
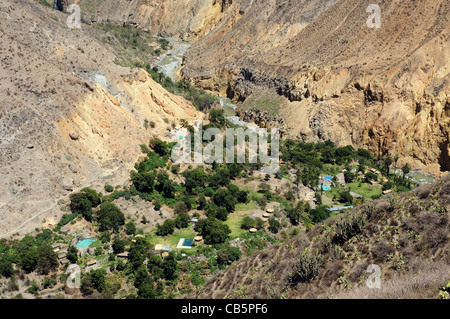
x=274 y=225
x=227 y=255
x=319 y=214
x=180 y=207
x=248 y=222
x=157 y=204
x=109 y=188
x=306 y=267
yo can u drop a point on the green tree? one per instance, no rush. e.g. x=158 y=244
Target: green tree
x=274 y=225
x=72 y=254
x=195 y=180
x=214 y=231
x=170 y=267
x=29 y=258
x=80 y=204
x=48 y=259
x=98 y=279
x=166 y=228
x=180 y=207
x=143 y=181
x=182 y=220
x=140 y=276
x=110 y=217
x=130 y=228
x=406 y=169
x=6 y=267
x=118 y=245
x=93 y=196
x=224 y=198
x=138 y=252
x=160 y=147
x=345 y=197
x=387 y=163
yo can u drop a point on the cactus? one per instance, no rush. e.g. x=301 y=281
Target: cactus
x=444 y=292
x=349 y=226
x=307 y=267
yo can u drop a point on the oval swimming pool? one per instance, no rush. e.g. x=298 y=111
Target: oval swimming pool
x=85 y=243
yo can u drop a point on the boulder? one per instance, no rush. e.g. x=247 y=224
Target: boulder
x=67 y=183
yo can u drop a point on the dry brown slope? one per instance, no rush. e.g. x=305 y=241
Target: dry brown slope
x=69 y=117
x=386 y=89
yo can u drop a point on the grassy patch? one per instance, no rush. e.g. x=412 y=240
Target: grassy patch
x=234 y=222
x=264 y=103
x=173 y=239
x=365 y=189
x=131 y=44
x=245 y=209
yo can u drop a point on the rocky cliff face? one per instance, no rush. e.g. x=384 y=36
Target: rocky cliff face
x=385 y=88
x=69 y=116
x=186 y=19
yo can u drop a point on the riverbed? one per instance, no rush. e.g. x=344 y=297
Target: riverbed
x=169 y=64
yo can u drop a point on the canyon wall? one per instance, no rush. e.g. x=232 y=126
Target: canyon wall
x=387 y=89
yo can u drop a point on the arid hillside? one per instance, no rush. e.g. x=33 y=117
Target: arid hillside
x=405 y=236
x=69 y=116
x=384 y=88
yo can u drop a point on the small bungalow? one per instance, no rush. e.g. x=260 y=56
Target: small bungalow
x=340 y=178
x=123 y=255
x=91 y=262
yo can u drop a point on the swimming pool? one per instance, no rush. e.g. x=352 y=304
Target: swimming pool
x=85 y=243
x=328 y=177
x=187 y=242
x=325 y=188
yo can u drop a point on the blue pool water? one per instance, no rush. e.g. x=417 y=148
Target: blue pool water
x=328 y=177
x=325 y=188
x=187 y=242
x=85 y=243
